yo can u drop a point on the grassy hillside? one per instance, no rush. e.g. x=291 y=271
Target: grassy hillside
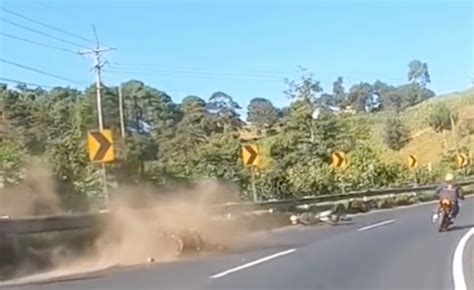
x=425 y=143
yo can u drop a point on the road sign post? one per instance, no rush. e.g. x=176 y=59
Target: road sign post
x=251 y=159
x=254 y=187
x=412 y=163
x=101 y=150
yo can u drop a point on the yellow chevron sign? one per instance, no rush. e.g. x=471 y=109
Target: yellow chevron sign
x=463 y=160
x=251 y=155
x=339 y=160
x=412 y=161
x=101 y=146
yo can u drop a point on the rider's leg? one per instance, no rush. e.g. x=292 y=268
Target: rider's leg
x=455 y=210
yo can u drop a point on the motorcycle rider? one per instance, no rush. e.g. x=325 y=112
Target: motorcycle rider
x=451 y=191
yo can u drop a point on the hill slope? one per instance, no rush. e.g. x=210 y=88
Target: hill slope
x=425 y=143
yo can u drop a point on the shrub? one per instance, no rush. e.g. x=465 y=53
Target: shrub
x=396 y=134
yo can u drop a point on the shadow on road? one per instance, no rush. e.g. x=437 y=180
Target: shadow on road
x=463 y=227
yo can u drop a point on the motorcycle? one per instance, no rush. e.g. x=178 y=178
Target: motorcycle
x=444 y=214
x=186 y=241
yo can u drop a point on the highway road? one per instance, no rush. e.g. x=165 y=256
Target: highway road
x=395 y=249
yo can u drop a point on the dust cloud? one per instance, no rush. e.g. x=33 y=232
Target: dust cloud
x=140 y=222
x=35 y=196
x=141 y=225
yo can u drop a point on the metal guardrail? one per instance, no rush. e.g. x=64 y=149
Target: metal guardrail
x=40 y=224
x=330 y=197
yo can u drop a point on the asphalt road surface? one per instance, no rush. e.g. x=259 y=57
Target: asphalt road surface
x=396 y=249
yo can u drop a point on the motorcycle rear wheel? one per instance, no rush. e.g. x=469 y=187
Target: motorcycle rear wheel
x=443 y=222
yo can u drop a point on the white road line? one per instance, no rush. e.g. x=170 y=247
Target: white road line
x=458 y=271
x=376 y=225
x=253 y=263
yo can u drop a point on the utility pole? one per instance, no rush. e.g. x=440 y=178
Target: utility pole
x=98 y=64
x=122 y=121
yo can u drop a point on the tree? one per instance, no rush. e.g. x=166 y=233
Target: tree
x=413 y=94
x=442 y=119
x=360 y=96
x=262 y=113
x=385 y=95
x=338 y=91
x=306 y=89
x=148 y=107
x=195 y=125
x=302 y=139
x=12 y=157
x=224 y=108
x=418 y=73
x=396 y=134
x=392 y=100
x=25 y=112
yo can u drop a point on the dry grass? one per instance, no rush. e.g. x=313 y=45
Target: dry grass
x=425 y=143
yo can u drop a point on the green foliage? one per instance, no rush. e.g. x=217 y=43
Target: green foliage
x=224 y=108
x=310 y=178
x=273 y=184
x=338 y=91
x=413 y=94
x=442 y=118
x=262 y=113
x=307 y=89
x=423 y=175
x=360 y=96
x=198 y=139
x=12 y=157
x=418 y=72
x=396 y=134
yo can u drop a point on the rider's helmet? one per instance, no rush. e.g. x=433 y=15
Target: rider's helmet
x=449 y=178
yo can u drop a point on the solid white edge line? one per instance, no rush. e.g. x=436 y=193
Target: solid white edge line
x=458 y=271
x=376 y=225
x=253 y=263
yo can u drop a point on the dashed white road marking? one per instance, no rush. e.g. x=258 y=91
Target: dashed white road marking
x=253 y=263
x=458 y=271
x=376 y=225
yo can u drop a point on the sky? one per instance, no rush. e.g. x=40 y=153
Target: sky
x=244 y=48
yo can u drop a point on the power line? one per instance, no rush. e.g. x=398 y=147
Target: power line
x=203 y=75
x=47 y=25
x=40 y=32
x=195 y=76
x=37 y=43
x=40 y=71
x=26 y=83
x=201 y=70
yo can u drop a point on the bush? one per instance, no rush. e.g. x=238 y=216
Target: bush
x=12 y=157
x=441 y=118
x=311 y=178
x=396 y=134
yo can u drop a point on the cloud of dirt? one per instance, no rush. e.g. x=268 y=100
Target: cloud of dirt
x=142 y=222
x=35 y=196
x=132 y=235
